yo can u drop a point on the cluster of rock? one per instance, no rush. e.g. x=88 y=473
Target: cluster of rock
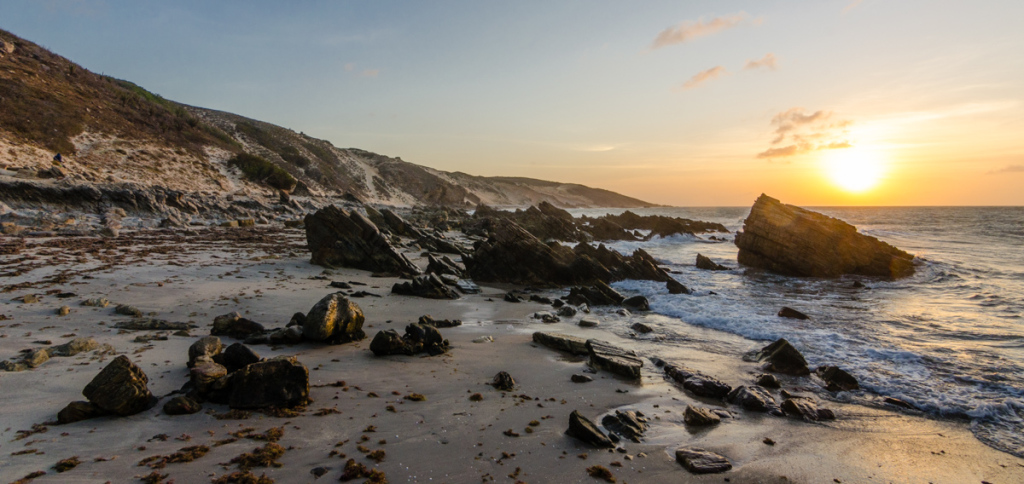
x=238 y=377
x=36 y=357
x=627 y=424
x=793 y=241
x=603 y=355
x=337 y=237
x=418 y=338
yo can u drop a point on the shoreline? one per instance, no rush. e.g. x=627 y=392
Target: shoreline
x=268 y=278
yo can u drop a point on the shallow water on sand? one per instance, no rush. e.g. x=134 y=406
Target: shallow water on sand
x=949 y=340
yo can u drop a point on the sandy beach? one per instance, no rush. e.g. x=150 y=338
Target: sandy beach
x=359 y=400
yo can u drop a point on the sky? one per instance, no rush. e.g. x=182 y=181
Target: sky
x=695 y=103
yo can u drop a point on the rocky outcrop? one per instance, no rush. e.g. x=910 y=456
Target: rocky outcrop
x=583 y=429
x=628 y=424
x=78 y=411
x=700 y=461
x=428 y=285
x=793 y=241
x=836 y=379
x=753 y=398
x=418 y=338
x=700 y=417
x=662 y=226
x=782 y=357
x=349 y=239
x=562 y=342
x=604 y=356
x=235 y=326
x=705 y=263
x=443 y=265
x=697 y=382
x=334 y=319
x=788 y=312
x=279 y=382
x=120 y=388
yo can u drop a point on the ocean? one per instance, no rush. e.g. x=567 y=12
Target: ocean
x=949 y=340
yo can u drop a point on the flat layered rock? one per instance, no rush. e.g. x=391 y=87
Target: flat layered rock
x=753 y=398
x=583 y=429
x=604 y=356
x=562 y=342
x=700 y=461
x=792 y=241
x=698 y=383
x=700 y=417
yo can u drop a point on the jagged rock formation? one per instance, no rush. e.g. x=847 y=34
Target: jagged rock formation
x=793 y=241
x=349 y=239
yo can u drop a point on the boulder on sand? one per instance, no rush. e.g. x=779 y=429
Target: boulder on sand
x=428 y=285
x=793 y=241
x=120 y=388
x=279 y=382
x=582 y=428
x=235 y=326
x=700 y=461
x=349 y=239
x=782 y=357
x=334 y=319
x=418 y=338
x=562 y=342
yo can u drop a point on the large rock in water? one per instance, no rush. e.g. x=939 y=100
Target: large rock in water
x=120 y=388
x=334 y=319
x=279 y=382
x=793 y=241
x=349 y=239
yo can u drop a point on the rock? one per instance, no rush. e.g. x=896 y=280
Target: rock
x=8 y=365
x=439 y=244
x=604 y=356
x=641 y=328
x=700 y=417
x=209 y=379
x=752 y=398
x=662 y=226
x=439 y=323
x=443 y=265
x=637 y=302
x=149 y=324
x=63 y=311
x=697 y=383
x=836 y=379
x=562 y=342
x=787 y=312
x=675 y=287
x=782 y=357
x=583 y=429
x=604 y=229
x=793 y=241
x=337 y=237
x=120 y=388
x=801 y=407
x=73 y=347
x=235 y=326
x=237 y=356
x=578 y=378
x=99 y=302
x=280 y=382
x=768 y=381
x=707 y=264
x=629 y=424
x=298 y=319
x=182 y=405
x=512 y=298
x=397 y=225
x=540 y=299
x=418 y=338
x=546 y=317
x=700 y=461
x=600 y=294
x=204 y=349
x=565 y=310
x=589 y=323
x=78 y=411
x=467 y=286
x=899 y=403
x=503 y=381
x=334 y=319
x=126 y=310
x=339 y=285
x=37 y=357
x=427 y=285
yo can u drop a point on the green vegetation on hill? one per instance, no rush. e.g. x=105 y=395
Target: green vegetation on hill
x=262 y=171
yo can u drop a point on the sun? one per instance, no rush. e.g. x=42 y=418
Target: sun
x=855 y=170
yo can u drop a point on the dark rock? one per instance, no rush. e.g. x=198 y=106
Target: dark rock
x=147 y=324
x=604 y=356
x=182 y=405
x=546 y=317
x=566 y=311
x=662 y=226
x=237 y=356
x=439 y=323
x=418 y=338
x=675 y=287
x=588 y=323
x=126 y=310
x=578 y=378
x=337 y=237
x=604 y=229
x=78 y=411
x=562 y=342
x=768 y=381
x=503 y=381
x=583 y=429
x=600 y=294
x=752 y=398
x=443 y=265
x=836 y=379
x=120 y=388
x=628 y=424
x=298 y=319
x=801 y=407
x=334 y=319
x=204 y=349
x=540 y=299
x=427 y=285
x=637 y=302
x=512 y=298
x=793 y=241
x=787 y=312
x=209 y=381
x=641 y=328
x=467 y=286
x=899 y=403
x=397 y=225
x=700 y=416
x=280 y=382
x=697 y=383
x=235 y=326
x=340 y=285
x=36 y=357
x=388 y=342
x=434 y=243
x=782 y=357
x=705 y=263
x=700 y=461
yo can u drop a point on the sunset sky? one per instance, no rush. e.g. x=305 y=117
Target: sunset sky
x=843 y=102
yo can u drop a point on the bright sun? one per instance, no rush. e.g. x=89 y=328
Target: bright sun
x=853 y=169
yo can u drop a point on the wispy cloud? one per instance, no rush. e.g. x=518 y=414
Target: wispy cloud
x=704 y=76
x=1008 y=169
x=689 y=29
x=768 y=62
x=797 y=132
x=852 y=5
x=369 y=72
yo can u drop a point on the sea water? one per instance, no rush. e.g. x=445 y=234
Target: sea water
x=949 y=340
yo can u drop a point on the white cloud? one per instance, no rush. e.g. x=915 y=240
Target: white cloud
x=769 y=61
x=690 y=30
x=704 y=76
